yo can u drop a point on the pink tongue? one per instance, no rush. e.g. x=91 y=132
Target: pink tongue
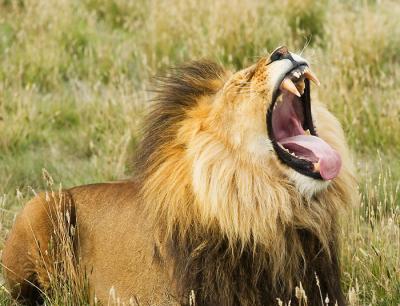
x=313 y=148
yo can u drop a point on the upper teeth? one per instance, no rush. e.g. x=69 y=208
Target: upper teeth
x=288 y=84
x=311 y=76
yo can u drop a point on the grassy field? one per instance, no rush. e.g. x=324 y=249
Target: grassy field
x=74 y=74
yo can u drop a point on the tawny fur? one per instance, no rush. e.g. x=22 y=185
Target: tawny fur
x=211 y=208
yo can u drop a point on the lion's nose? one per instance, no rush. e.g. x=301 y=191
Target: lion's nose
x=280 y=53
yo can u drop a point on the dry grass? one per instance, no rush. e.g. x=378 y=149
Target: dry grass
x=73 y=79
x=66 y=280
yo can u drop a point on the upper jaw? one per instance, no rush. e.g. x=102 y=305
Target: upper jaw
x=297 y=70
x=279 y=69
x=289 y=74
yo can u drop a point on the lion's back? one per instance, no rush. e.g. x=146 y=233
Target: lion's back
x=117 y=245
x=112 y=240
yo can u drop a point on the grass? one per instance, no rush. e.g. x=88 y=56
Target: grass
x=73 y=79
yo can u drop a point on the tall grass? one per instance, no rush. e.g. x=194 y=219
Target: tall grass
x=73 y=79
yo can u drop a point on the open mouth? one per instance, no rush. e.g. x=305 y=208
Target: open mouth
x=292 y=132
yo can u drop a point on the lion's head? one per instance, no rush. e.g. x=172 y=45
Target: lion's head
x=264 y=112
x=247 y=155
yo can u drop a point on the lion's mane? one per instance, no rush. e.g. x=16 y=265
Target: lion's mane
x=235 y=227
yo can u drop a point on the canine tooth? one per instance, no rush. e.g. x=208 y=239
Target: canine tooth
x=289 y=86
x=311 y=76
x=316 y=167
x=307 y=132
x=300 y=86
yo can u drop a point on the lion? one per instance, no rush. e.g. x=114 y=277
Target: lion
x=239 y=181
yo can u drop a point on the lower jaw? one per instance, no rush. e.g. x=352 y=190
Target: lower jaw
x=303 y=167
x=307 y=186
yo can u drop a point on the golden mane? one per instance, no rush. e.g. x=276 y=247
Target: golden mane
x=193 y=182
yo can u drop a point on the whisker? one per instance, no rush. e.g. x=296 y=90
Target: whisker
x=308 y=40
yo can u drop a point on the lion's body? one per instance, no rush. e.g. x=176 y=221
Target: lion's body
x=122 y=255
x=103 y=245
x=219 y=217
x=114 y=256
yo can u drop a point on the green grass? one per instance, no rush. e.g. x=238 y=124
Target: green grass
x=74 y=74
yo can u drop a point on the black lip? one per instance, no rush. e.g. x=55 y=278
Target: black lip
x=300 y=165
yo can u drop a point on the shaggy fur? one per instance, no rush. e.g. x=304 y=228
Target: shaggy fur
x=212 y=209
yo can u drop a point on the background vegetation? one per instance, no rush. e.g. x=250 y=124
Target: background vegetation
x=74 y=74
